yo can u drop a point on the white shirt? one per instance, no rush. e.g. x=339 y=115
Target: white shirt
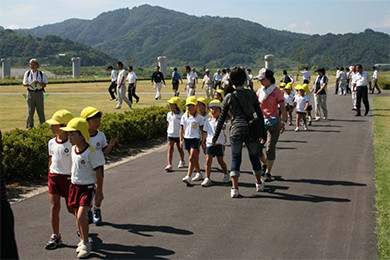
x=99 y=141
x=337 y=74
x=207 y=80
x=375 y=74
x=225 y=79
x=342 y=76
x=121 y=77
x=217 y=76
x=301 y=103
x=361 y=79
x=308 y=96
x=83 y=165
x=288 y=99
x=305 y=74
x=209 y=128
x=30 y=77
x=131 y=77
x=173 y=120
x=61 y=158
x=191 y=79
x=191 y=126
x=113 y=75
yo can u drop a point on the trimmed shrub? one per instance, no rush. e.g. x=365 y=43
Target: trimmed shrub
x=383 y=83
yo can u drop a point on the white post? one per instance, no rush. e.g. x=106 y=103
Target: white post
x=6 y=68
x=76 y=67
x=269 y=61
x=162 y=62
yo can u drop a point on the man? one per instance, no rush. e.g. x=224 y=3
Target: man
x=209 y=84
x=121 y=86
x=132 y=79
x=190 y=82
x=320 y=91
x=342 y=82
x=350 y=77
x=249 y=79
x=360 y=83
x=374 y=81
x=337 y=80
x=157 y=77
x=306 y=75
x=35 y=81
x=175 y=82
x=112 y=87
x=217 y=79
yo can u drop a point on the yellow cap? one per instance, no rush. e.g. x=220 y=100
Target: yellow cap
x=306 y=88
x=89 y=112
x=289 y=84
x=298 y=87
x=287 y=87
x=215 y=103
x=191 y=101
x=61 y=117
x=221 y=92
x=282 y=84
x=79 y=124
x=175 y=100
x=202 y=100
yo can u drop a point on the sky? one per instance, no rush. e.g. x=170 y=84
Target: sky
x=302 y=16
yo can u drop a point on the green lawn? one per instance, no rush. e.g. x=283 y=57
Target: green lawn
x=382 y=173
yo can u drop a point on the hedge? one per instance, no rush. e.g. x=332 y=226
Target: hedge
x=383 y=83
x=25 y=154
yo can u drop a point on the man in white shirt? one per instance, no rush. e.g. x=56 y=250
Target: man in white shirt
x=132 y=79
x=190 y=82
x=35 y=81
x=121 y=86
x=341 y=79
x=207 y=80
x=112 y=87
x=306 y=75
x=350 y=77
x=374 y=84
x=361 y=81
x=217 y=78
x=337 y=81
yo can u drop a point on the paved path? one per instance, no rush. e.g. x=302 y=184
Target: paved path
x=320 y=207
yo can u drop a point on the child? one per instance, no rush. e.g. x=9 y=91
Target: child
x=60 y=163
x=215 y=108
x=219 y=94
x=301 y=103
x=190 y=134
x=307 y=95
x=86 y=172
x=173 y=130
x=288 y=100
x=202 y=105
x=99 y=141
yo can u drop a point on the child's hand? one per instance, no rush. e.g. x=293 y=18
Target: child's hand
x=113 y=141
x=99 y=195
x=262 y=141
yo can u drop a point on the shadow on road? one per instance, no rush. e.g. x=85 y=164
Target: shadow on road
x=102 y=250
x=141 y=229
x=292 y=197
x=321 y=182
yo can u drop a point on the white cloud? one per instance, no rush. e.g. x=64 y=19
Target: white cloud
x=383 y=23
x=292 y=26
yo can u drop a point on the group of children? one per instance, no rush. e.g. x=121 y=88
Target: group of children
x=76 y=171
x=194 y=129
x=300 y=101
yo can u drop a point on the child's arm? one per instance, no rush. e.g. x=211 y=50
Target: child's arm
x=181 y=136
x=99 y=184
x=111 y=144
x=204 y=135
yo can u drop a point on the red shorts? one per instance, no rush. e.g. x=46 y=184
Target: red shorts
x=80 y=195
x=59 y=184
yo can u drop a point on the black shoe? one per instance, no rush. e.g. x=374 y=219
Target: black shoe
x=89 y=217
x=137 y=100
x=353 y=109
x=54 y=242
x=267 y=177
x=263 y=169
x=358 y=115
x=379 y=92
x=366 y=113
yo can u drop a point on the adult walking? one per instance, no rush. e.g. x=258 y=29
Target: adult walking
x=35 y=81
x=341 y=79
x=121 y=86
x=217 y=79
x=208 y=82
x=350 y=77
x=112 y=87
x=306 y=75
x=175 y=82
x=320 y=92
x=374 y=83
x=242 y=102
x=132 y=79
x=361 y=81
x=270 y=98
x=191 y=77
x=157 y=78
x=285 y=79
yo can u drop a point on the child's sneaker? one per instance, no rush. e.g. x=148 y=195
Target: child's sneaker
x=234 y=193
x=54 y=242
x=305 y=128
x=289 y=122
x=225 y=178
x=260 y=186
x=168 y=168
x=187 y=179
x=296 y=129
x=309 y=122
x=198 y=176
x=89 y=217
x=181 y=164
x=97 y=216
x=84 y=249
x=206 y=182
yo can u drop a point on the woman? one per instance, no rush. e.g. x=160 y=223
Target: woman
x=320 y=91
x=270 y=98
x=242 y=102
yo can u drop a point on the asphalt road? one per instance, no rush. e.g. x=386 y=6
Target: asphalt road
x=321 y=205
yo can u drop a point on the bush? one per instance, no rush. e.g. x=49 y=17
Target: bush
x=383 y=83
x=25 y=152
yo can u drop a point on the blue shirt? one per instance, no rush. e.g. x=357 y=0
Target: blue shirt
x=176 y=75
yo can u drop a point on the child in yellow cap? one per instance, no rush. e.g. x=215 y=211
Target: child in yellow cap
x=308 y=96
x=173 y=131
x=86 y=172
x=301 y=104
x=202 y=106
x=191 y=127
x=99 y=141
x=288 y=101
x=211 y=150
x=60 y=164
x=219 y=94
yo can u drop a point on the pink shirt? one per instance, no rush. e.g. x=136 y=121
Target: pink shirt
x=270 y=106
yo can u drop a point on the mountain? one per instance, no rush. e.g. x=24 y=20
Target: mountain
x=50 y=49
x=146 y=32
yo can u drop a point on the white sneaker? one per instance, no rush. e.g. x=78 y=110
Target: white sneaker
x=305 y=128
x=206 y=182
x=84 y=249
x=225 y=178
x=168 y=168
x=199 y=176
x=289 y=122
x=317 y=119
x=325 y=118
x=181 y=164
x=260 y=186
x=296 y=129
x=187 y=179
x=234 y=193
x=117 y=107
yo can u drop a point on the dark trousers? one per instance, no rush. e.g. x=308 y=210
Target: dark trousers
x=8 y=245
x=362 y=93
x=112 y=89
x=131 y=93
x=374 y=86
x=336 y=87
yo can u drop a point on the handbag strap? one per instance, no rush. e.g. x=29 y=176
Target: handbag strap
x=239 y=105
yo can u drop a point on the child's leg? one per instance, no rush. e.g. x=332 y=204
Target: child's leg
x=181 y=151
x=209 y=161
x=170 y=151
x=309 y=114
x=98 y=201
x=82 y=222
x=297 y=121
x=222 y=163
x=304 y=119
x=193 y=161
x=55 y=206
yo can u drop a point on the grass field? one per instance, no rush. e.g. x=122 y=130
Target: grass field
x=382 y=173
